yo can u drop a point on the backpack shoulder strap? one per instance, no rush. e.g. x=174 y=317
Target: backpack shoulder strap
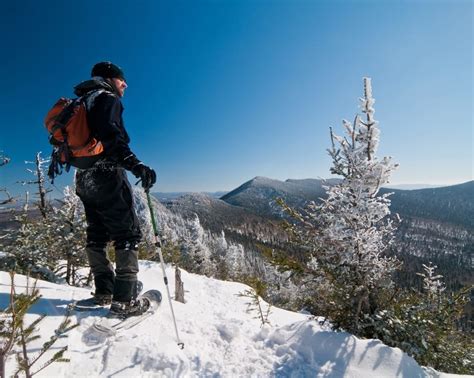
x=89 y=98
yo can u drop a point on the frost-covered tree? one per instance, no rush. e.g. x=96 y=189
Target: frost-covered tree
x=188 y=244
x=69 y=236
x=347 y=236
x=424 y=324
x=218 y=246
x=49 y=247
x=27 y=248
x=355 y=228
x=39 y=180
x=146 y=247
x=196 y=250
x=235 y=259
x=432 y=283
x=348 y=233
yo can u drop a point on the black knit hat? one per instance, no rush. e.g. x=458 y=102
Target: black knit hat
x=107 y=70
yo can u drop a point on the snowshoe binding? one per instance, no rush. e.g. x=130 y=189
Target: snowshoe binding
x=126 y=309
x=148 y=302
x=98 y=301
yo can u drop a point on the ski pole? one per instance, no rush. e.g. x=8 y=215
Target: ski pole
x=158 y=248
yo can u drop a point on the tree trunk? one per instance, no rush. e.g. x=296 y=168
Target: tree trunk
x=179 y=286
x=68 y=270
x=42 y=190
x=2 y=365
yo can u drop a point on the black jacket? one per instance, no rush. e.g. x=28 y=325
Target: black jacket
x=104 y=116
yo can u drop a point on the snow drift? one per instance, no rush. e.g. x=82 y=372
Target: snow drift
x=221 y=337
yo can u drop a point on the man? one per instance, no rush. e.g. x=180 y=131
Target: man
x=107 y=196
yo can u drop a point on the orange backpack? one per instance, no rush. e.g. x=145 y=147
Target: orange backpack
x=71 y=136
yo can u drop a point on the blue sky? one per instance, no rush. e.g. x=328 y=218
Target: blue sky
x=222 y=91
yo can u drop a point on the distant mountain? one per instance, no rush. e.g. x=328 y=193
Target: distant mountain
x=413 y=186
x=168 y=196
x=437 y=223
x=449 y=204
x=259 y=194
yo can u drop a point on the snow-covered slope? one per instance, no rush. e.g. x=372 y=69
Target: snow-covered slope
x=221 y=338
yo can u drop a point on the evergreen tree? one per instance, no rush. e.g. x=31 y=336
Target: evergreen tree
x=257 y=290
x=424 y=324
x=50 y=247
x=349 y=232
x=69 y=237
x=146 y=247
x=347 y=237
x=16 y=334
x=28 y=248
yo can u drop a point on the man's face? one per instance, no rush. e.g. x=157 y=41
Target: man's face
x=120 y=84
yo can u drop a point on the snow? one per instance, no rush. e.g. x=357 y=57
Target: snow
x=222 y=338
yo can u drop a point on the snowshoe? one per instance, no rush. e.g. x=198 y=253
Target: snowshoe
x=118 y=322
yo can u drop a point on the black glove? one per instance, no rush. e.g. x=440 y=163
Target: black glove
x=146 y=174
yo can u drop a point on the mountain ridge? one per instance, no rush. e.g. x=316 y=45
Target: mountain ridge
x=451 y=204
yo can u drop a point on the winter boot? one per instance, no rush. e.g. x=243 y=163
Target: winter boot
x=97 y=301
x=125 y=302
x=126 y=309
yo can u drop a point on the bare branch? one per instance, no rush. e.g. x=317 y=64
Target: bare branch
x=9 y=199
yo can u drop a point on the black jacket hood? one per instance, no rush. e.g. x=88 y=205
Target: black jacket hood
x=91 y=85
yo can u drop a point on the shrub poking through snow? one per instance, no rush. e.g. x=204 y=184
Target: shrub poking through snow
x=424 y=324
x=256 y=304
x=15 y=334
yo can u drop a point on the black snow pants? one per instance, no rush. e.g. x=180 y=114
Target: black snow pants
x=107 y=197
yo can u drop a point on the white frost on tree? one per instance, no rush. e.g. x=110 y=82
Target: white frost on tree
x=39 y=173
x=196 y=247
x=140 y=203
x=354 y=229
x=221 y=242
x=51 y=246
x=235 y=258
x=69 y=228
x=205 y=252
x=432 y=283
